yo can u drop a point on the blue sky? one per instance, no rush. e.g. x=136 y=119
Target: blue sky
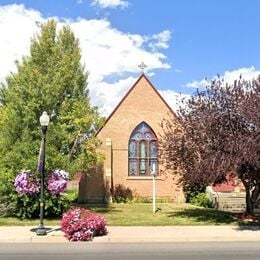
x=181 y=41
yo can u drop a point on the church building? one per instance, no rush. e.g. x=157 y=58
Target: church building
x=130 y=138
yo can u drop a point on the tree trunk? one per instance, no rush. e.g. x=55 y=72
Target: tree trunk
x=256 y=195
x=249 y=203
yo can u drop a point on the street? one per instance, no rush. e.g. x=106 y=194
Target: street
x=127 y=251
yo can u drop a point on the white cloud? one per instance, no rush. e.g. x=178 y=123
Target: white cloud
x=17 y=25
x=228 y=77
x=173 y=98
x=197 y=84
x=161 y=40
x=245 y=73
x=110 y=3
x=106 y=51
x=109 y=95
x=79 y=2
x=109 y=51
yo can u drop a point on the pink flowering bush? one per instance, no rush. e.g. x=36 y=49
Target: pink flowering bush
x=82 y=225
x=57 y=182
x=27 y=183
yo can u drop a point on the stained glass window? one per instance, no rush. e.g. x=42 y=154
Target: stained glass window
x=132 y=167
x=132 y=149
x=142 y=165
x=142 y=151
x=153 y=149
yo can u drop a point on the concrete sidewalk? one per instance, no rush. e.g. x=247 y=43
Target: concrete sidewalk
x=26 y=234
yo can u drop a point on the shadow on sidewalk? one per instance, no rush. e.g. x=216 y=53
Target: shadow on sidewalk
x=247 y=228
x=48 y=230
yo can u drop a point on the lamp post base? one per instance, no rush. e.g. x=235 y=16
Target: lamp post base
x=41 y=231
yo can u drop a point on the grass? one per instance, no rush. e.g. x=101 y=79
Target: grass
x=167 y=215
x=9 y=221
x=140 y=214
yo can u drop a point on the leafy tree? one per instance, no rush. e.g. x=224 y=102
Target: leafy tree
x=216 y=133
x=50 y=79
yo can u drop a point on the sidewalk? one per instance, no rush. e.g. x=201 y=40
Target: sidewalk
x=26 y=234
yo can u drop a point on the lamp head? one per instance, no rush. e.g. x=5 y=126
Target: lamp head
x=44 y=119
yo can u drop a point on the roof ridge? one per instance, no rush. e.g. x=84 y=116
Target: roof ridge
x=127 y=94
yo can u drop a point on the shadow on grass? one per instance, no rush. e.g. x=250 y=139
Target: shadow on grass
x=250 y=225
x=99 y=208
x=204 y=216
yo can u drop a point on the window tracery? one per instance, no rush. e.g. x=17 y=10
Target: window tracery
x=142 y=151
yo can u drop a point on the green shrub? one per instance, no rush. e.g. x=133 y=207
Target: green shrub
x=122 y=194
x=54 y=205
x=192 y=192
x=201 y=200
x=6 y=208
x=139 y=199
x=165 y=199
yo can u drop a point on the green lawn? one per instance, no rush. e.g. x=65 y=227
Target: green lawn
x=168 y=214
x=138 y=214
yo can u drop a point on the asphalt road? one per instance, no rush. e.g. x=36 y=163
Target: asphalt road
x=128 y=251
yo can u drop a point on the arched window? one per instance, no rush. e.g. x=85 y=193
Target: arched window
x=142 y=151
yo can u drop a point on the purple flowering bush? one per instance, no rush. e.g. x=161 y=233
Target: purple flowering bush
x=56 y=199
x=82 y=225
x=27 y=183
x=57 y=182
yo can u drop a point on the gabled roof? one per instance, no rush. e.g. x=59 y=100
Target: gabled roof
x=127 y=94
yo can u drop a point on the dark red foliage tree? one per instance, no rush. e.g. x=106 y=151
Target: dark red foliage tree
x=217 y=132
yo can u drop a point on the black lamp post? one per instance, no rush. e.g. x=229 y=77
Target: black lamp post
x=44 y=120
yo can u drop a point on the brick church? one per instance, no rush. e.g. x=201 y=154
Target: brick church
x=130 y=138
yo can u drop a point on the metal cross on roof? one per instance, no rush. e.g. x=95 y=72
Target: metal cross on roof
x=142 y=66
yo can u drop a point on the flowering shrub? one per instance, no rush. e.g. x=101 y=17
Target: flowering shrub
x=26 y=183
x=26 y=200
x=82 y=225
x=57 y=182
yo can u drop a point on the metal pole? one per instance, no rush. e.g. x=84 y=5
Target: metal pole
x=41 y=230
x=154 y=210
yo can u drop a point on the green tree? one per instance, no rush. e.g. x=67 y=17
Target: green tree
x=50 y=79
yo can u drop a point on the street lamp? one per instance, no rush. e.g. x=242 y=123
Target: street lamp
x=44 y=121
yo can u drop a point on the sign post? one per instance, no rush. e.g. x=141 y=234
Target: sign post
x=153 y=173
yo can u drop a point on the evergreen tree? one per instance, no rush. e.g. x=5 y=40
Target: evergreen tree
x=50 y=79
